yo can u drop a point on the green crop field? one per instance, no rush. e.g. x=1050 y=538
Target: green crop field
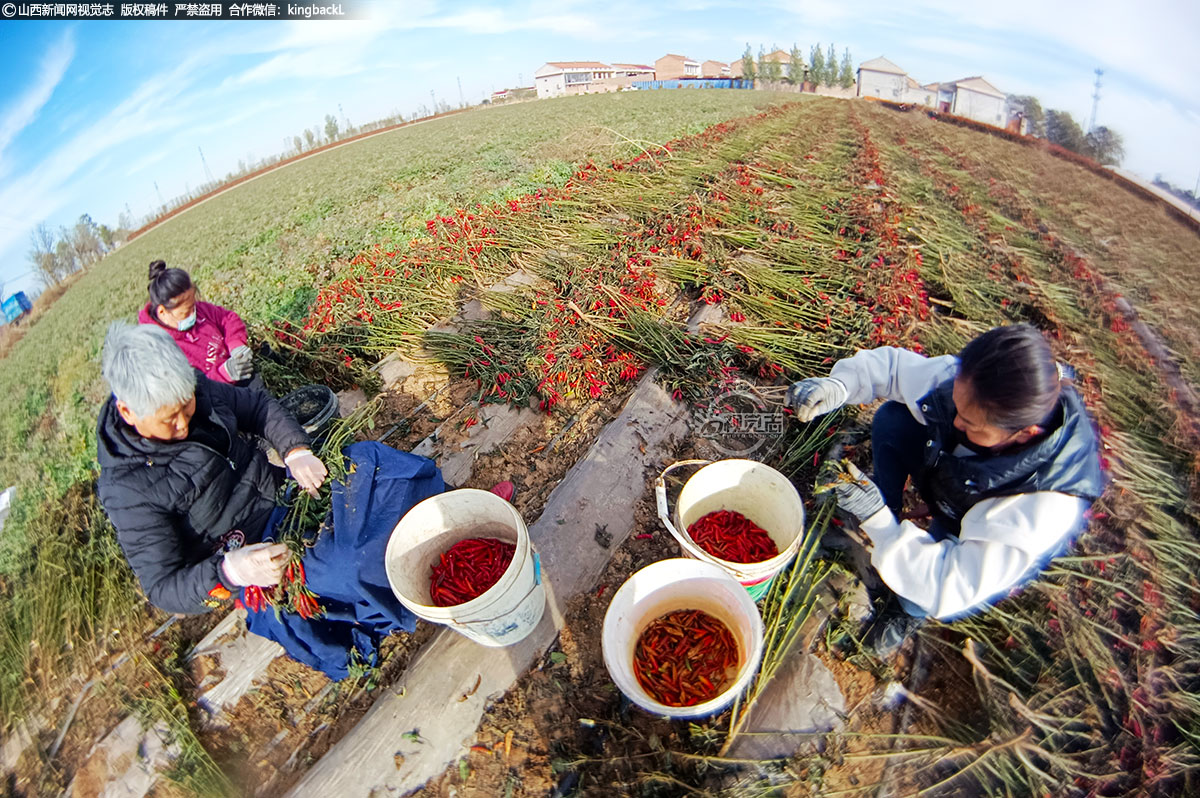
x=818 y=227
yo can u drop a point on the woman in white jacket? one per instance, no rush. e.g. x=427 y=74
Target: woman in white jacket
x=1001 y=450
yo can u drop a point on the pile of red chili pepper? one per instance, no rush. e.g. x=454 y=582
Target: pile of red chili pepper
x=468 y=568
x=685 y=658
x=733 y=537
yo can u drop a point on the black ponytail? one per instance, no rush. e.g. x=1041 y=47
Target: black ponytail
x=1013 y=376
x=166 y=284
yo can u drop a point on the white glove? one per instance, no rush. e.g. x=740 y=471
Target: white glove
x=257 y=564
x=240 y=364
x=815 y=396
x=307 y=469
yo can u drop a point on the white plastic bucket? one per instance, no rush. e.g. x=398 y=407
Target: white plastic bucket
x=758 y=492
x=668 y=586
x=504 y=613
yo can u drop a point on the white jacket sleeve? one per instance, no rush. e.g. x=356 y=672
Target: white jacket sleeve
x=892 y=373
x=1000 y=542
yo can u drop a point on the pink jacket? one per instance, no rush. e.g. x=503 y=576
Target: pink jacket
x=207 y=345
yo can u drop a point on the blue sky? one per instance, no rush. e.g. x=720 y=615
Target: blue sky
x=93 y=114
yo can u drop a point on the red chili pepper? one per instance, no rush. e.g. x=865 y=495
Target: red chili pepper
x=732 y=537
x=468 y=569
x=683 y=658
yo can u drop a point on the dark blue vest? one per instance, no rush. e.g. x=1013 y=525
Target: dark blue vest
x=1067 y=460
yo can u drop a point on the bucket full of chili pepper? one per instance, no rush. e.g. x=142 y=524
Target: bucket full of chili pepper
x=682 y=638
x=740 y=515
x=463 y=559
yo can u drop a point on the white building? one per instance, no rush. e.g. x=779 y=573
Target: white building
x=977 y=99
x=881 y=78
x=557 y=78
x=973 y=98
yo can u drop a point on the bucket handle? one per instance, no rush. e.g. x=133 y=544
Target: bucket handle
x=537 y=582
x=660 y=498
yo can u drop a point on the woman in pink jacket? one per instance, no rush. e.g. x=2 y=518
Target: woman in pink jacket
x=212 y=338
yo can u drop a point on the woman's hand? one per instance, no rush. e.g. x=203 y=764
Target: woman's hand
x=240 y=364
x=856 y=493
x=307 y=469
x=815 y=396
x=257 y=564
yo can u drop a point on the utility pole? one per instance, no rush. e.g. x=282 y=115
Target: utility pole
x=433 y=100
x=462 y=103
x=1095 y=101
x=161 y=201
x=207 y=171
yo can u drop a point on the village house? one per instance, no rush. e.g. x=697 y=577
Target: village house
x=560 y=78
x=714 y=69
x=634 y=71
x=671 y=67
x=881 y=78
x=784 y=59
x=557 y=78
x=973 y=98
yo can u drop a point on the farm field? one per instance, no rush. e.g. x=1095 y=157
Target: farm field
x=804 y=231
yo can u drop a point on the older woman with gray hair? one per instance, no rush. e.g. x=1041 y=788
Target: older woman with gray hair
x=189 y=496
x=193 y=500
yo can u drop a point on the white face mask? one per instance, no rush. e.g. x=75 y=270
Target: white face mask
x=188 y=323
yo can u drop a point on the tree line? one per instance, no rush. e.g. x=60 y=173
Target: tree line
x=55 y=255
x=1102 y=144
x=822 y=67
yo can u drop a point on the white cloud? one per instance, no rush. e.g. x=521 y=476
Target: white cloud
x=310 y=64
x=22 y=112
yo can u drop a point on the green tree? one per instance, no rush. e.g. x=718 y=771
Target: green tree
x=846 y=76
x=772 y=70
x=763 y=72
x=1063 y=130
x=108 y=236
x=310 y=138
x=831 y=66
x=331 y=127
x=816 y=66
x=297 y=144
x=1035 y=117
x=748 y=70
x=796 y=66
x=1105 y=146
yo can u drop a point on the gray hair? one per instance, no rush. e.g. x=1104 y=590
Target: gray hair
x=145 y=368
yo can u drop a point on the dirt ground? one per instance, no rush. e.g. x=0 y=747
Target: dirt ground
x=565 y=729
x=271 y=737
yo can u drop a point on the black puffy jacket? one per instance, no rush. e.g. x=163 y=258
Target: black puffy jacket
x=1065 y=460
x=175 y=503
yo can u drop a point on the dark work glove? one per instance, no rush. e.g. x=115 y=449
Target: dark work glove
x=857 y=496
